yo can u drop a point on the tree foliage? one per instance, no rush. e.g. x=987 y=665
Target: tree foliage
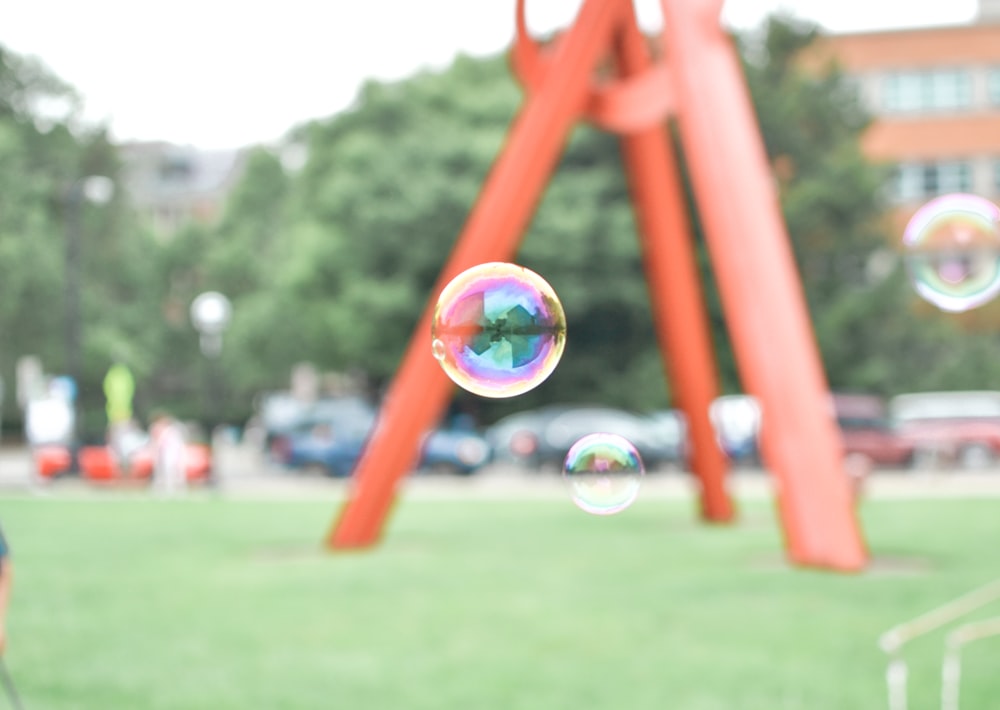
x=43 y=158
x=334 y=262
x=873 y=332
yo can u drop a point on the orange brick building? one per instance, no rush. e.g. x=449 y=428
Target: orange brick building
x=934 y=94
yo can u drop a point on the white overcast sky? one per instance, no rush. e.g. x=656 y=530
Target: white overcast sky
x=222 y=73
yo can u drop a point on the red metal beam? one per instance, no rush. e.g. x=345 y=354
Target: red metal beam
x=671 y=269
x=420 y=391
x=758 y=283
x=766 y=312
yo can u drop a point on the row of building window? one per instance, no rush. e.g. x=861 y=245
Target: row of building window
x=912 y=182
x=935 y=90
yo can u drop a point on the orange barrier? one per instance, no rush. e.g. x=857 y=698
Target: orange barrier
x=50 y=461
x=99 y=464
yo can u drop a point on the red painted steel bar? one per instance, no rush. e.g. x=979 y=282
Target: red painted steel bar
x=678 y=307
x=758 y=283
x=420 y=391
x=636 y=101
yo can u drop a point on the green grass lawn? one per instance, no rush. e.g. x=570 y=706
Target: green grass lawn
x=137 y=603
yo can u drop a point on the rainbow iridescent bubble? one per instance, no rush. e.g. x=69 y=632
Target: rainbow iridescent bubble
x=499 y=330
x=604 y=472
x=953 y=251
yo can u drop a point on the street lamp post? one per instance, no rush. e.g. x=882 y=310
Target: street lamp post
x=96 y=189
x=99 y=190
x=210 y=315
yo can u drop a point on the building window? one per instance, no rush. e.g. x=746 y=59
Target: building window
x=953 y=177
x=937 y=90
x=176 y=169
x=902 y=92
x=913 y=182
x=994 y=86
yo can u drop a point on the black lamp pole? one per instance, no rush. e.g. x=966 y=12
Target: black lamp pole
x=210 y=314
x=74 y=326
x=99 y=190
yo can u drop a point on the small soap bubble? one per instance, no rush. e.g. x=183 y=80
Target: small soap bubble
x=953 y=252
x=604 y=472
x=499 y=330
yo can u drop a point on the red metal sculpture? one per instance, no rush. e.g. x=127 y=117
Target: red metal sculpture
x=700 y=84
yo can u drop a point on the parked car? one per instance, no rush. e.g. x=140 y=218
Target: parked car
x=333 y=435
x=457 y=451
x=289 y=419
x=868 y=437
x=949 y=428
x=541 y=438
x=276 y=414
x=331 y=440
x=671 y=425
x=516 y=438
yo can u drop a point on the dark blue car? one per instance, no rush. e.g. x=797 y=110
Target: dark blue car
x=456 y=451
x=540 y=438
x=333 y=437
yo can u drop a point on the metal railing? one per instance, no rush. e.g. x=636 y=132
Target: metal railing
x=893 y=641
x=951 y=667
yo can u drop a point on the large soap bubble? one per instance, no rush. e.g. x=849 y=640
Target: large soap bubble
x=499 y=330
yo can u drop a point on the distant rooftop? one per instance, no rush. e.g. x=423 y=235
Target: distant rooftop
x=174 y=185
x=157 y=172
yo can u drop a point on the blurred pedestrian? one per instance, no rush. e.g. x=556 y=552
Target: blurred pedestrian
x=6 y=580
x=50 y=420
x=119 y=390
x=169 y=451
x=126 y=439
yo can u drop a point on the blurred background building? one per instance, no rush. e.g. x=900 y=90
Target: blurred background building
x=173 y=185
x=934 y=94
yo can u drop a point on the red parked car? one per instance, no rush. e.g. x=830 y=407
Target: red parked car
x=950 y=429
x=869 y=438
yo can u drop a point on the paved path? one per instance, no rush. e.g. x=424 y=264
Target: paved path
x=244 y=474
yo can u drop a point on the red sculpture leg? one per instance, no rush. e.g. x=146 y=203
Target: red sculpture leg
x=758 y=283
x=671 y=270
x=419 y=393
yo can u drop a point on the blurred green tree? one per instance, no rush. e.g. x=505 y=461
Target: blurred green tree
x=333 y=262
x=873 y=331
x=389 y=183
x=368 y=224
x=44 y=152
x=33 y=165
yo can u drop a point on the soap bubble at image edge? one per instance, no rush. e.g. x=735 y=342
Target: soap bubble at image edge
x=952 y=246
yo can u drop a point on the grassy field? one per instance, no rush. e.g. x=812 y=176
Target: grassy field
x=137 y=603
